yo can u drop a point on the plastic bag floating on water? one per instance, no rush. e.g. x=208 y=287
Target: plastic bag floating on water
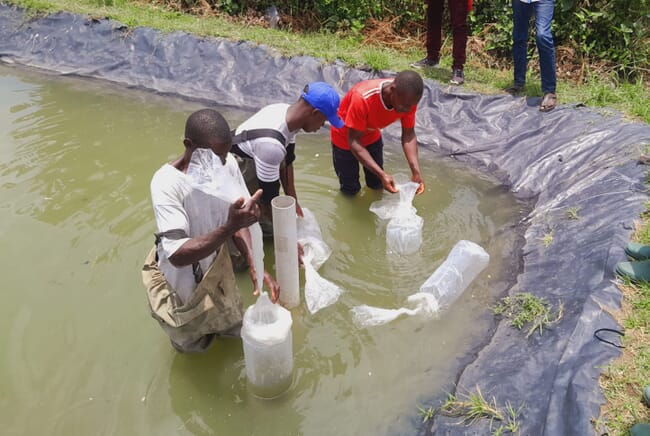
x=465 y=261
x=268 y=349
x=368 y=316
x=319 y=292
x=404 y=228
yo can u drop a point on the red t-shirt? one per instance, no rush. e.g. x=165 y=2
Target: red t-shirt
x=363 y=109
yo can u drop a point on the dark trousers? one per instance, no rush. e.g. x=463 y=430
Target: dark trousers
x=458 y=14
x=347 y=168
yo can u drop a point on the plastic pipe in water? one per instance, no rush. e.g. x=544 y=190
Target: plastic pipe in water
x=285 y=242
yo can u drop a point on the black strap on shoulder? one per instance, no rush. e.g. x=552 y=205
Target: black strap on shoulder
x=247 y=135
x=180 y=234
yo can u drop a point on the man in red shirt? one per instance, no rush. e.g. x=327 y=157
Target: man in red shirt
x=367 y=108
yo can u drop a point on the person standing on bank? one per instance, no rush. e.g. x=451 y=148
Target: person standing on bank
x=265 y=143
x=188 y=274
x=522 y=10
x=458 y=10
x=367 y=108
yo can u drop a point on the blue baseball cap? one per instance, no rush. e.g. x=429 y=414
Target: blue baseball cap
x=323 y=97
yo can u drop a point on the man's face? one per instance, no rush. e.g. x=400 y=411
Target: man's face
x=403 y=102
x=316 y=121
x=221 y=149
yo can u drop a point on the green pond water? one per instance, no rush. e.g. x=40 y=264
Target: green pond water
x=81 y=354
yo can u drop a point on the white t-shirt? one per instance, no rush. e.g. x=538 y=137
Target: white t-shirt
x=268 y=153
x=179 y=204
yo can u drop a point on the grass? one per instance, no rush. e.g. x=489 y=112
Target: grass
x=624 y=379
x=547 y=239
x=474 y=406
x=526 y=310
x=426 y=414
x=628 y=98
x=572 y=213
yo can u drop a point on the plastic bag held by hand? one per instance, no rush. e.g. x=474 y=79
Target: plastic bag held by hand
x=268 y=350
x=319 y=292
x=404 y=230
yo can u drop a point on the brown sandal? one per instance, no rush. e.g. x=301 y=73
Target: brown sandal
x=548 y=102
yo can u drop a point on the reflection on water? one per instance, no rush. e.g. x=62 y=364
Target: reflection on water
x=82 y=356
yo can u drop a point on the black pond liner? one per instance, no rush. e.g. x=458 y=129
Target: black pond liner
x=572 y=157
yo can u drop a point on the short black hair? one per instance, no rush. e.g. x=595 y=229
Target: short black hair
x=408 y=82
x=205 y=124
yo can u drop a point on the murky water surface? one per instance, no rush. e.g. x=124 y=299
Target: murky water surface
x=81 y=354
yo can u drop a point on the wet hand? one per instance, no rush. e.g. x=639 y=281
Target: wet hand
x=418 y=179
x=388 y=183
x=273 y=286
x=244 y=213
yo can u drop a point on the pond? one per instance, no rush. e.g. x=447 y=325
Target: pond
x=83 y=356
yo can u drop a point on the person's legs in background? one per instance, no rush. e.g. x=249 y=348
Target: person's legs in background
x=346 y=167
x=435 y=9
x=521 y=13
x=458 y=15
x=543 y=18
x=545 y=46
x=376 y=150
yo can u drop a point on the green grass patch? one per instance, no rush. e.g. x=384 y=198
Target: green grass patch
x=473 y=406
x=524 y=310
x=572 y=213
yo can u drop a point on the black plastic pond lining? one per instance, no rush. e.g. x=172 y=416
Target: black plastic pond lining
x=572 y=158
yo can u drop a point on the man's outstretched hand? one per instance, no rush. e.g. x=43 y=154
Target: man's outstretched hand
x=388 y=183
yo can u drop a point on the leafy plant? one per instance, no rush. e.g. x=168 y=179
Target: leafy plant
x=572 y=213
x=426 y=414
x=474 y=406
x=526 y=309
x=547 y=239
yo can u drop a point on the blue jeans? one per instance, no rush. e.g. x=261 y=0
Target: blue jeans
x=521 y=13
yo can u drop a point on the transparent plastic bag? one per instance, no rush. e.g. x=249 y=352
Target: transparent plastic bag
x=404 y=228
x=404 y=234
x=464 y=262
x=225 y=182
x=310 y=237
x=369 y=316
x=319 y=292
x=268 y=349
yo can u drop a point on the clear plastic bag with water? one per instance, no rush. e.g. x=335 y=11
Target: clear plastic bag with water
x=268 y=347
x=319 y=292
x=214 y=179
x=443 y=287
x=404 y=228
x=465 y=261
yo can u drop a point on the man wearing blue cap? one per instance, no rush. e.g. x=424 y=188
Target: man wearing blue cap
x=264 y=144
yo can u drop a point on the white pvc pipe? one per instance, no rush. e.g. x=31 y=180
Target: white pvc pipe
x=285 y=242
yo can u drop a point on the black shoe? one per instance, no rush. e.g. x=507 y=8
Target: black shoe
x=515 y=89
x=425 y=63
x=457 y=77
